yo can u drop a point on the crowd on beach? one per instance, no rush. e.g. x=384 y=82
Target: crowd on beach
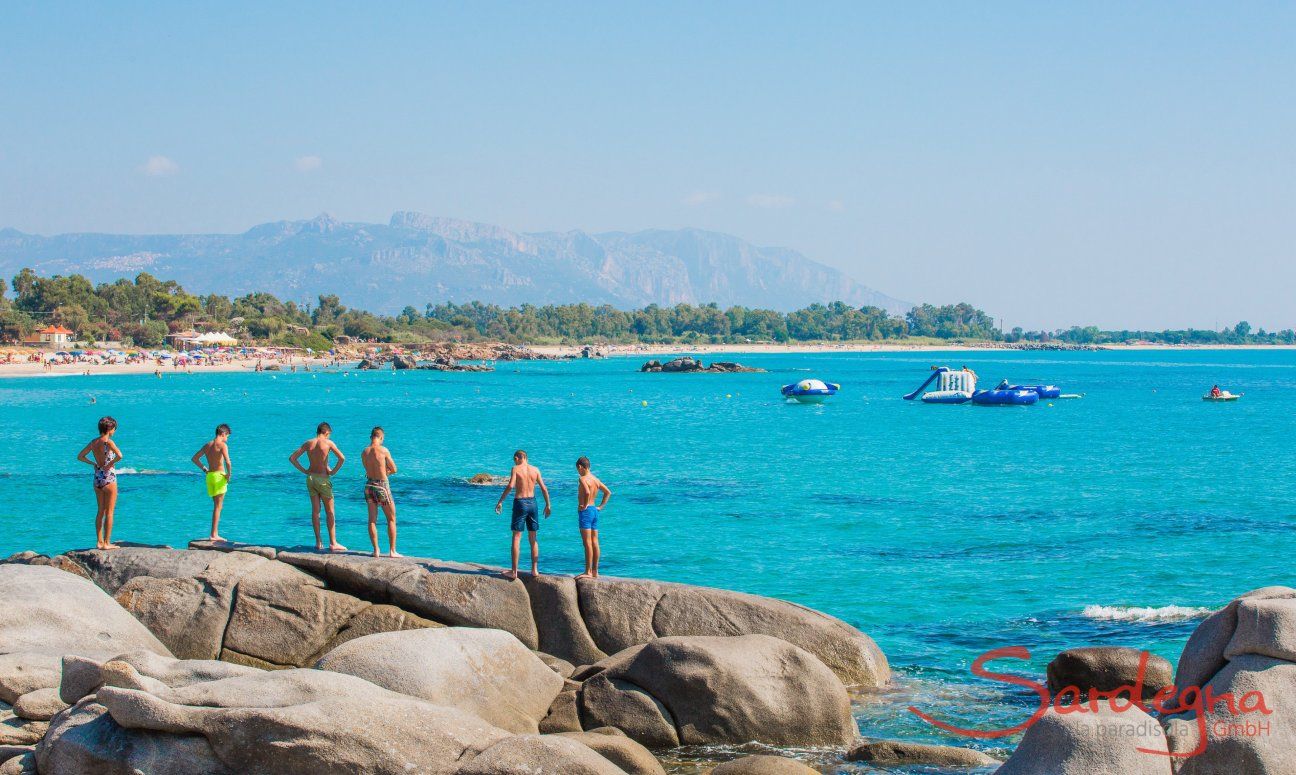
x=323 y=460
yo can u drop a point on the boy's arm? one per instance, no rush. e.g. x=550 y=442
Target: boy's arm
x=499 y=504
x=391 y=464
x=197 y=455
x=607 y=494
x=341 y=459
x=229 y=464
x=543 y=490
x=294 y=458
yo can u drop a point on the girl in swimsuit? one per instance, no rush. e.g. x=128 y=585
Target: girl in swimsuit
x=106 y=455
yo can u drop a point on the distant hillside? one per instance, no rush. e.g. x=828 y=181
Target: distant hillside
x=416 y=259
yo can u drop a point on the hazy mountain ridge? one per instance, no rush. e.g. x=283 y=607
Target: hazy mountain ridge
x=416 y=259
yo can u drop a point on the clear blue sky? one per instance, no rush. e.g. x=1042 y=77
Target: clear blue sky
x=1056 y=164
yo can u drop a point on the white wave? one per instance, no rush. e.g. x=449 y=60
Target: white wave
x=142 y=471
x=1129 y=613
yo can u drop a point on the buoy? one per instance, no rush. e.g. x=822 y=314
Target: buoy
x=643 y=403
x=728 y=395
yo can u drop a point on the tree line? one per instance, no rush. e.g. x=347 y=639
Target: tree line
x=144 y=311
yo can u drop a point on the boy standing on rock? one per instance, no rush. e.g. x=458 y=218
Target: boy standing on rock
x=318 y=481
x=523 y=480
x=587 y=513
x=218 y=469
x=378 y=465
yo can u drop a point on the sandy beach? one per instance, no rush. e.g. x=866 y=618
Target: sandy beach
x=81 y=369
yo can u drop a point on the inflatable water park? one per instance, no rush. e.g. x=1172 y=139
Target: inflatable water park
x=959 y=386
x=810 y=391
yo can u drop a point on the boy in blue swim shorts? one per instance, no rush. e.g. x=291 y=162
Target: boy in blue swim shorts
x=587 y=513
x=524 y=480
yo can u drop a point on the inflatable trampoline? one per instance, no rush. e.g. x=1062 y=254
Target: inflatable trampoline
x=810 y=391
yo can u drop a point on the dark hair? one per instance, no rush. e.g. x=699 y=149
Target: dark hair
x=323 y=428
x=376 y=432
x=520 y=454
x=222 y=428
x=583 y=462
x=106 y=424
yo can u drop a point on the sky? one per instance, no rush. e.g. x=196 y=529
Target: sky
x=1116 y=164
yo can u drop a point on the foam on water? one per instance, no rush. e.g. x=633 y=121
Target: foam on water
x=1168 y=613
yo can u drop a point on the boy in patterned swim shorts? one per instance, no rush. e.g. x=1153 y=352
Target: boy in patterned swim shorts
x=378 y=465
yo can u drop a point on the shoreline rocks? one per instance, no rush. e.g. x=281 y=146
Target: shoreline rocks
x=687 y=365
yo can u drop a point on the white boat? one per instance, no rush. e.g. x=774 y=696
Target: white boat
x=1223 y=396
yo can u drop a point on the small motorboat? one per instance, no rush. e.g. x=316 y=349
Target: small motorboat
x=1222 y=397
x=810 y=391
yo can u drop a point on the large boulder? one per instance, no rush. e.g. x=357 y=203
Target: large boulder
x=722 y=690
x=487 y=673
x=290 y=722
x=1204 y=654
x=763 y=764
x=1108 y=668
x=1089 y=743
x=539 y=755
x=900 y=753
x=624 y=612
x=613 y=744
x=47 y=613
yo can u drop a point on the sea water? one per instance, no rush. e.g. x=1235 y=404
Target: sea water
x=941 y=531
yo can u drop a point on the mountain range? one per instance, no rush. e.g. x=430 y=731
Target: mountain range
x=417 y=259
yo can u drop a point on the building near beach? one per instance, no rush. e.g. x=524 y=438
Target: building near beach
x=50 y=336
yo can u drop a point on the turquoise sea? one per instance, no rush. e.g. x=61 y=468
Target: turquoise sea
x=942 y=531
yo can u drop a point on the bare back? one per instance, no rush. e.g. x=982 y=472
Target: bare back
x=317 y=452
x=588 y=487
x=378 y=463
x=523 y=479
x=216 y=454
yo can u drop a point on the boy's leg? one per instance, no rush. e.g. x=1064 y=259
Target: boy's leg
x=595 y=548
x=373 y=525
x=389 y=509
x=513 y=554
x=315 y=510
x=535 y=552
x=334 y=546
x=217 y=502
x=589 y=558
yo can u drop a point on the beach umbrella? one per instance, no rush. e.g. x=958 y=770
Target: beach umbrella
x=77 y=353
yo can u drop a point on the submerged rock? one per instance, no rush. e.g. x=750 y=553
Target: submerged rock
x=686 y=365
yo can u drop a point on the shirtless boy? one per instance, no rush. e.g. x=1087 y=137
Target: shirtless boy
x=588 y=489
x=318 y=481
x=378 y=465
x=218 y=469
x=523 y=480
x=106 y=455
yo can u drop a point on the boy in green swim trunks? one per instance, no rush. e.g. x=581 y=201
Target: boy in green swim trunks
x=318 y=481
x=218 y=469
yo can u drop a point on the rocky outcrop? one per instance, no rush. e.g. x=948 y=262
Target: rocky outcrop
x=1106 y=669
x=487 y=673
x=687 y=365
x=1105 y=741
x=898 y=753
x=283 y=722
x=1253 y=643
x=451 y=646
x=701 y=690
